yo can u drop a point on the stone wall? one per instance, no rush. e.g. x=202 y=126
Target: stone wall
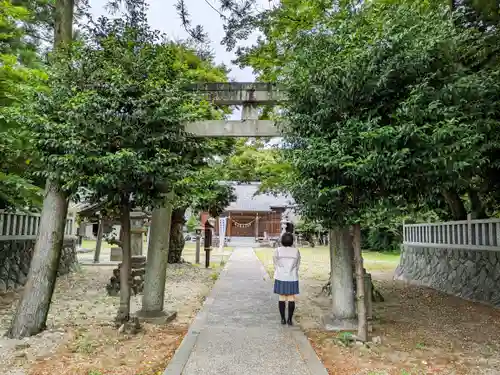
x=470 y=274
x=15 y=259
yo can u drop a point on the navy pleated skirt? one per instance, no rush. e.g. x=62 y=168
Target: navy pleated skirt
x=286 y=287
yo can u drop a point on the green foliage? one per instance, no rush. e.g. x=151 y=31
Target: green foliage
x=394 y=100
x=192 y=223
x=17 y=79
x=203 y=191
x=200 y=188
x=309 y=230
x=480 y=12
x=255 y=160
x=467 y=41
x=112 y=120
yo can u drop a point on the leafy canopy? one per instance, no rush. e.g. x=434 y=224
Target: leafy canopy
x=112 y=119
x=17 y=79
x=391 y=100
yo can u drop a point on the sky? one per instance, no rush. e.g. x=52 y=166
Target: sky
x=163 y=16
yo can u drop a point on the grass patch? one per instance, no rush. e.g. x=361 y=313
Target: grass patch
x=316 y=261
x=378 y=256
x=90 y=244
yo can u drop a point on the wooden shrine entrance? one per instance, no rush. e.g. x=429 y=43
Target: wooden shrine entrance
x=250 y=224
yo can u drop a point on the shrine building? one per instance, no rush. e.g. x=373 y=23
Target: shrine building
x=254 y=216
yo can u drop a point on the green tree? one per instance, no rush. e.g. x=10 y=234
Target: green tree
x=130 y=109
x=281 y=24
x=403 y=120
x=200 y=188
x=394 y=100
x=31 y=313
x=202 y=191
x=18 y=77
x=120 y=108
x=192 y=223
x=257 y=160
x=309 y=230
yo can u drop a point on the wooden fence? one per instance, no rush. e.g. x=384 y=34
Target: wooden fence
x=21 y=225
x=466 y=234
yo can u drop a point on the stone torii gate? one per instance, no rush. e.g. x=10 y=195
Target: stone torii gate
x=250 y=96
x=247 y=95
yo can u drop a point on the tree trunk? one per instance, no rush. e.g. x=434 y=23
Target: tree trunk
x=360 y=285
x=156 y=266
x=332 y=240
x=98 y=244
x=176 y=235
x=63 y=22
x=123 y=314
x=341 y=276
x=477 y=208
x=33 y=308
x=456 y=204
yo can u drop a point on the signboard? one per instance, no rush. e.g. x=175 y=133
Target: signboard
x=222 y=231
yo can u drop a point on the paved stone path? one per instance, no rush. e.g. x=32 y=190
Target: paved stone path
x=238 y=331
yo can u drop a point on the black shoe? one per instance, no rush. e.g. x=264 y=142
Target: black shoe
x=289 y=322
x=283 y=321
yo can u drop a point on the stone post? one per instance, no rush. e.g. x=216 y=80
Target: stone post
x=156 y=264
x=198 y=247
x=100 y=232
x=137 y=231
x=368 y=300
x=81 y=232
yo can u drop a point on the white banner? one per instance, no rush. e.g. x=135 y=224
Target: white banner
x=222 y=231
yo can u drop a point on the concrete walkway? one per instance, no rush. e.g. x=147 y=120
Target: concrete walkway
x=238 y=331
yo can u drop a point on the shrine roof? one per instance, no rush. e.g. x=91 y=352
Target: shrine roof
x=249 y=200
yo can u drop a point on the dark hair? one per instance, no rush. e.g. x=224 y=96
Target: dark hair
x=287 y=239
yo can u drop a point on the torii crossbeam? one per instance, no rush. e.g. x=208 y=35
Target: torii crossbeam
x=249 y=95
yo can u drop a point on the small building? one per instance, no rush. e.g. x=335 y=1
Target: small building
x=253 y=215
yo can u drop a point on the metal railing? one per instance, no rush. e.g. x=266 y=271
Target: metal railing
x=24 y=225
x=466 y=234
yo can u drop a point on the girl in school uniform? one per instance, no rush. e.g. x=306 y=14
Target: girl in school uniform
x=286 y=276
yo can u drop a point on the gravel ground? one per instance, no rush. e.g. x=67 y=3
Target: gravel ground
x=80 y=301
x=418 y=330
